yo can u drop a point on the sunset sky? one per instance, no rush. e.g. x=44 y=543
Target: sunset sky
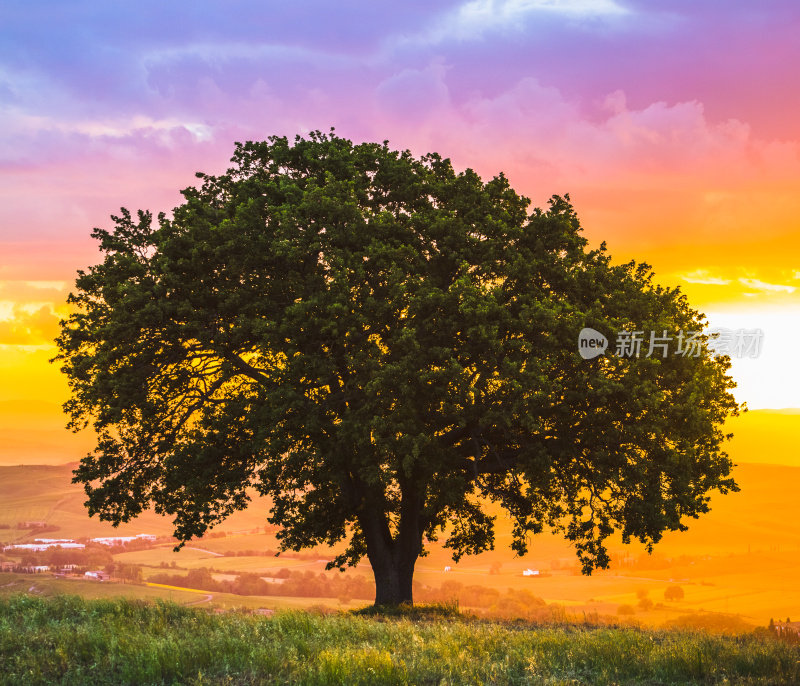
x=673 y=125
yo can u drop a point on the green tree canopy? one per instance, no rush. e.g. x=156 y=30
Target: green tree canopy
x=383 y=345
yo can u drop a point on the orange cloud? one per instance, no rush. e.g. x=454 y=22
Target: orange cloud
x=29 y=328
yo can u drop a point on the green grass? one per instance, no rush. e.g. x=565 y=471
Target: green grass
x=69 y=640
x=47 y=585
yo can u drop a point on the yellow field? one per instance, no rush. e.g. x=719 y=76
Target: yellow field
x=46 y=584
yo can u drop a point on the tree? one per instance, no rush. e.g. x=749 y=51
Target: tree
x=386 y=348
x=673 y=593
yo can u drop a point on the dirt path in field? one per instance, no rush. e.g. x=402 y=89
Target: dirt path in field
x=203 y=550
x=55 y=506
x=189 y=547
x=209 y=597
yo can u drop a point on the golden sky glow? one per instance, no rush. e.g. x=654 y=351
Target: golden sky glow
x=673 y=128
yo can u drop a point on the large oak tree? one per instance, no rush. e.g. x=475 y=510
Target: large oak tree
x=384 y=346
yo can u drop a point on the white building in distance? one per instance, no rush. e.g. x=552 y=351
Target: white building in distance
x=121 y=540
x=38 y=547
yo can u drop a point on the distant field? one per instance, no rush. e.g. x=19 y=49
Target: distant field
x=257 y=564
x=47 y=585
x=190 y=558
x=740 y=559
x=718 y=585
x=155 y=556
x=149 y=572
x=239 y=542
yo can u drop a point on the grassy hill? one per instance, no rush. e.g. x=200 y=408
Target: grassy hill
x=72 y=640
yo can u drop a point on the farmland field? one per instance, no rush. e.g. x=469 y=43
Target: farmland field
x=47 y=585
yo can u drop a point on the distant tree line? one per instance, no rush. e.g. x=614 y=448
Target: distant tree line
x=491 y=602
x=95 y=556
x=303 y=584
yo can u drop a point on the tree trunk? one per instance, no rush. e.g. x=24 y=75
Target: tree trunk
x=393 y=559
x=393 y=578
